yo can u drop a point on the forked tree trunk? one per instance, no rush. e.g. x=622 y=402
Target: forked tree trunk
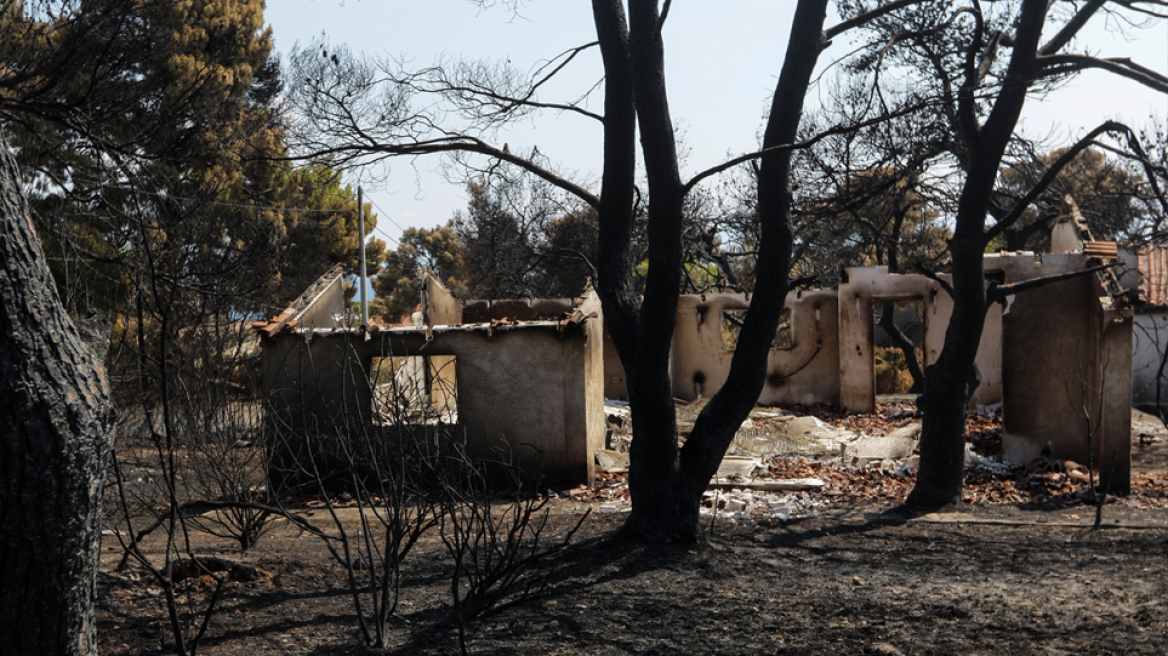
x=653 y=456
x=666 y=483
x=57 y=439
x=941 y=474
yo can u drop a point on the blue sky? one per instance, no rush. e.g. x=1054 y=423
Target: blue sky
x=721 y=66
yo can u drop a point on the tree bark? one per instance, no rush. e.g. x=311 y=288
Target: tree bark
x=942 y=445
x=941 y=473
x=615 y=209
x=653 y=456
x=54 y=405
x=667 y=485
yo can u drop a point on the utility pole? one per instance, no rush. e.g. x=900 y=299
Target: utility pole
x=361 y=238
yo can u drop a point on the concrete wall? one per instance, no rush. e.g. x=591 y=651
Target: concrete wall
x=616 y=382
x=869 y=285
x=523 y=309
x=864 y=287
x=533 y=389
x=1066 y=369
x=593 y=421
x=989 y=350
x=807 y=372
x=441 y=308
x=1149 y=340
x=324 y=310
x=316 y=389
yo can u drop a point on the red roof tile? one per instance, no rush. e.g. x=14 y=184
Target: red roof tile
x=1153 y=265
x=1101 y=249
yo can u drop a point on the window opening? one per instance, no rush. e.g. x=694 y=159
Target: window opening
x=732 y=326
x=415 y=389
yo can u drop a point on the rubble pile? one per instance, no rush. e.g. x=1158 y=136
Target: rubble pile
x=883 y=480
x=741 y=504
x=787 y=463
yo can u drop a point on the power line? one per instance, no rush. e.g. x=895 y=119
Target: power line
x=386 y=235
x=387 y=216
x=381 y=213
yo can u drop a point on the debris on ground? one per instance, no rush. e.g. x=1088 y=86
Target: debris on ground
x=1148 y=427
x=831 y=456
x=741 y=504
x=618 y=425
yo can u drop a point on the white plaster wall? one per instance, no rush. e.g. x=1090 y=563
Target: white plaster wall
x=1149 y=340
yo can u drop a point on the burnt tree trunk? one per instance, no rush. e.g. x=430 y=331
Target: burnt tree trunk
x=906 y=346
x=653 y=456
x=943 y=404
x=666 y=483
x=615 y=210
x=888 y=312
x=54 y=407
x=941 y=474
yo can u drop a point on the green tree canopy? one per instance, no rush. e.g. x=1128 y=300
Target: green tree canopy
x=398 y=286
x=1106 y=189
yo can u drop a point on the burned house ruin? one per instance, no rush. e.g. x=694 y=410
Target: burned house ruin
x=533 y=374
x=532 y=387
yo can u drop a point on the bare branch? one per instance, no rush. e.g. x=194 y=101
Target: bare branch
x=1137 y=6
x=664 y=14
x=996 y=292
x=932 y=275
x=807 y=143
x=456 y=143
x=1071 y=28
x=1051 y=173
x=486 y=86
x=836 y=30
x=966 y=98
x=1122 y=66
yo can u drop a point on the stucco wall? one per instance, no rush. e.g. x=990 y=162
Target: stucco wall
x=864 y=287
x=1066 y=370
x=989 y=349
x=616 y=382
x=1149 y=341
x=325 y=309
x=807 y=372
x=532 y=390
x=527 y=390
x=441 y=308
x=315 y=390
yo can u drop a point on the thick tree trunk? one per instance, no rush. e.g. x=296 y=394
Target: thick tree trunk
x=667 y=485
x=54 y=407
x=942 y=470
x=942 y=465
x=615 y=212
x=653 y=456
